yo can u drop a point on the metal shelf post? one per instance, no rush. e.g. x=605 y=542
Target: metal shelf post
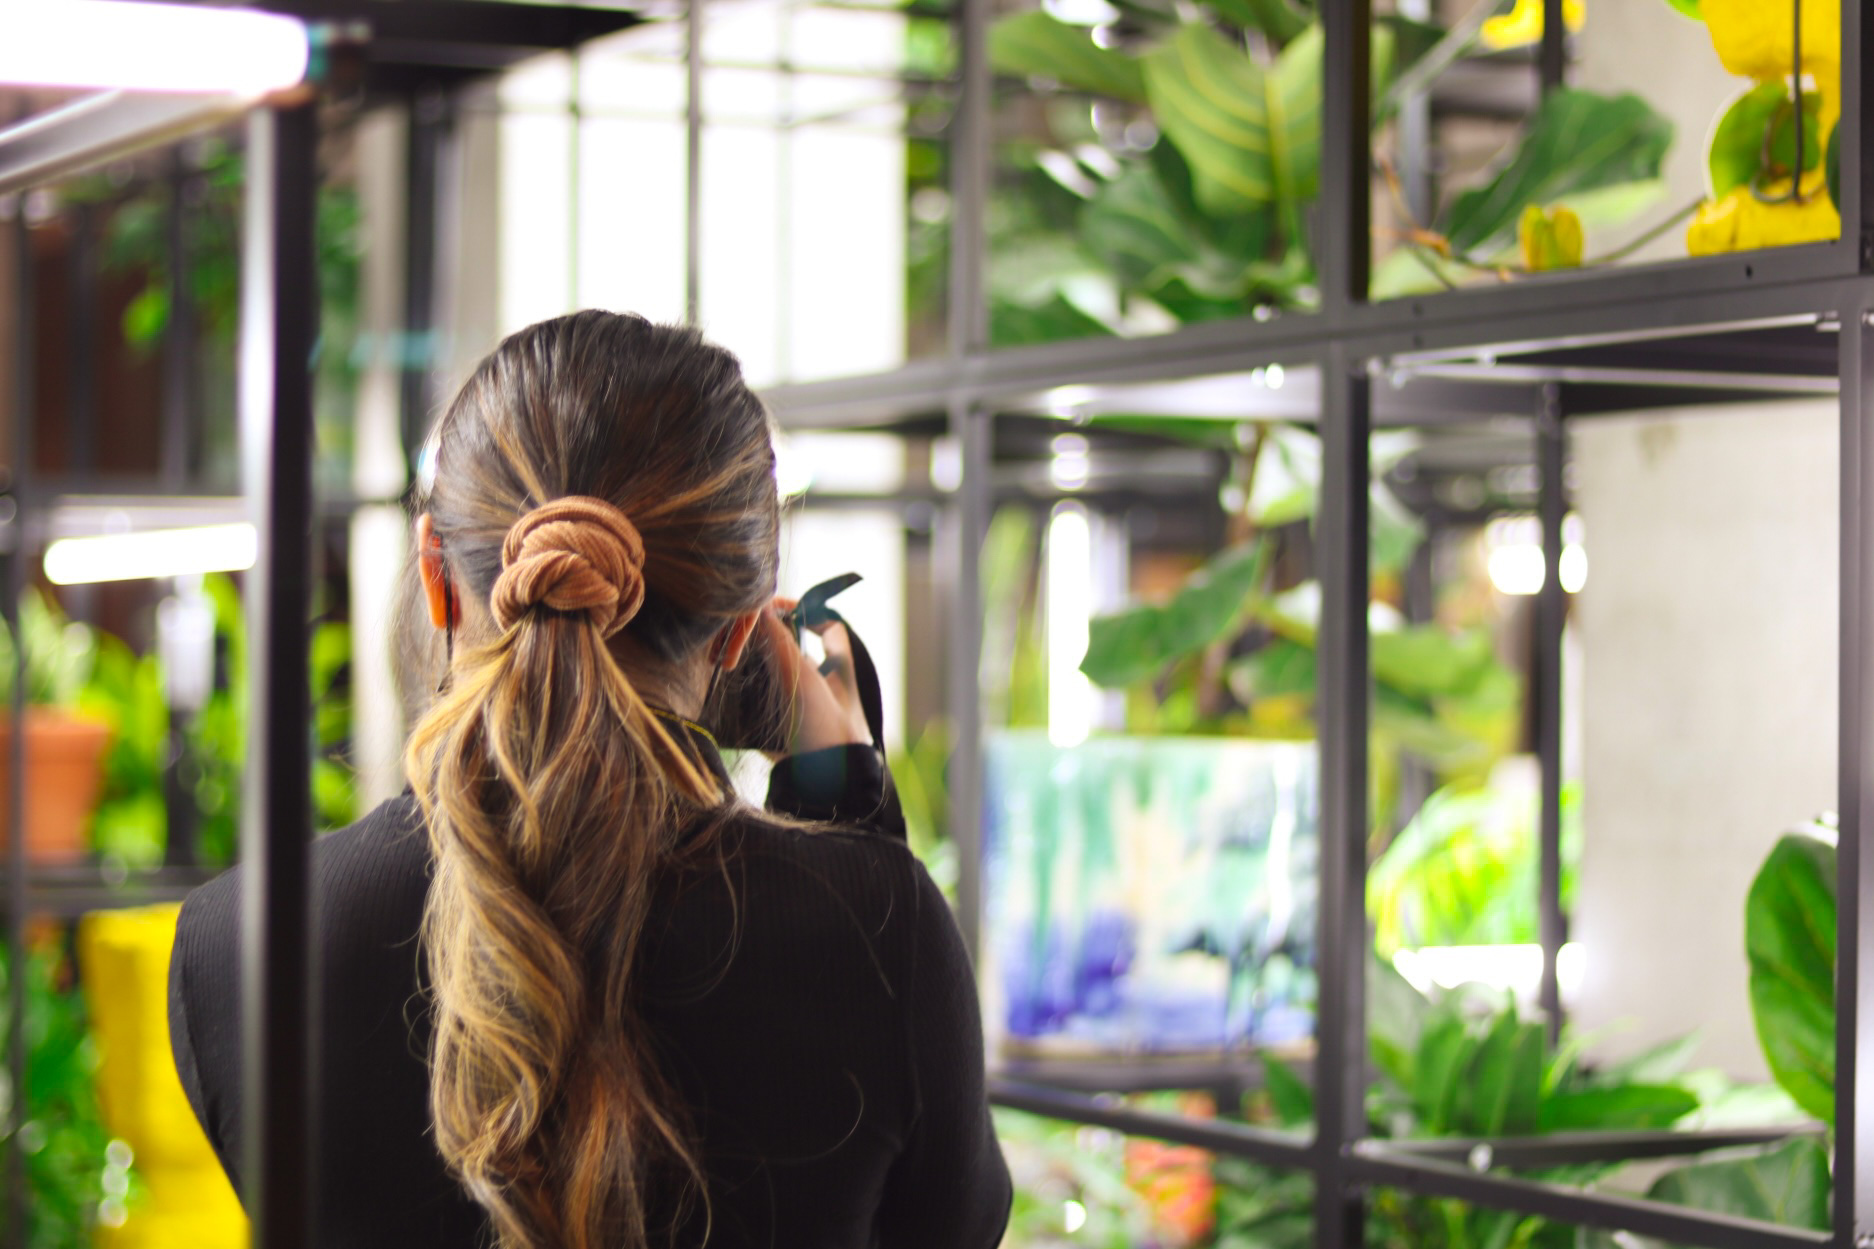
x=279 y=325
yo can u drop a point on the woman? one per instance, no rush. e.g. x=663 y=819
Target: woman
x=574 y=994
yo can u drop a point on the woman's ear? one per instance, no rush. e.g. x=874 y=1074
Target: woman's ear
x=735 y=642
x=435 y=574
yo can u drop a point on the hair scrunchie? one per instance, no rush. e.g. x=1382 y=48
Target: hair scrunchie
x=576 y=554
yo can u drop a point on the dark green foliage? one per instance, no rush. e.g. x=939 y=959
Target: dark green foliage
x=61 y=1131
x=1789 y=933
x=1787 y=1184
x=1139 y=643
x=1576 y=141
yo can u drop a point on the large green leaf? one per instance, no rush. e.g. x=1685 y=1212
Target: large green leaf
x=1280 y=668
x=1428 y=660
x=1211 y=99
x=1461 y=872
x=1280 y=20
x=1619 y=1107
x=1036 y=44
x=1789 y=935
x=1738 y=143
x=1145 y=225
x=1055 y=319
x=1788 y=1185
x=1252 y=134
x=1294 y=110
x=1139 y=643
x=1445 y=1051
x=1505 y=1078
x=1576 y=141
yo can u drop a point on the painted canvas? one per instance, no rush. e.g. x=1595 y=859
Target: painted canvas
x=1149 y=894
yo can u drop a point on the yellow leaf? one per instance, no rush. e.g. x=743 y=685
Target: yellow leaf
x=1522 y=25
x=1742 y=221
x=1550 y=240
x=1753 y=36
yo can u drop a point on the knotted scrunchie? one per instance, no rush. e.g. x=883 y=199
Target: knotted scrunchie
x=576 y=554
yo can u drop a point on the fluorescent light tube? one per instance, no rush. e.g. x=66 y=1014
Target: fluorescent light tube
x=153 y=553
x=134 y=46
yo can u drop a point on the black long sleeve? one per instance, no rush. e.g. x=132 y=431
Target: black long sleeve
x=805 y=989
x=845 y=785
x=943 y=1189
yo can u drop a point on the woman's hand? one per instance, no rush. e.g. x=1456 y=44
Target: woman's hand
x=825 y=699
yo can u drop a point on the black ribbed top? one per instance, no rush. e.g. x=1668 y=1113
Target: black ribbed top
x=808 y=995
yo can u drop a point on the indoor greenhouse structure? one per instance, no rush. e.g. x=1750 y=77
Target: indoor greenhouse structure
x=1366 y=510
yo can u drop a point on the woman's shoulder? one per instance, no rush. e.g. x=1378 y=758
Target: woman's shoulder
x=380 y=862
x=809 y=876
x=871 y=859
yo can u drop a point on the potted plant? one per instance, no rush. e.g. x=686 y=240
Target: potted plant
x=64 y=747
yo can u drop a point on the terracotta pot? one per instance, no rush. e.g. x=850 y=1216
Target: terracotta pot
x=64 y=771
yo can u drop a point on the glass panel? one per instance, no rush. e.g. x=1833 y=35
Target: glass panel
x=1674 y=136
x=825 y=209
x=1155 y=165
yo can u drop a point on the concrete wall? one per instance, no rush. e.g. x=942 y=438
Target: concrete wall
x=1708 y=630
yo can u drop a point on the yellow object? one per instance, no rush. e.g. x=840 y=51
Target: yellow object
x=188 y=1202
x=1550 y=240
x=1740 y=221
x=1522 y=25
x=1753 y=37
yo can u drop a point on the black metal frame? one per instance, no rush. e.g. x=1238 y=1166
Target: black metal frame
x=1584 y=343
x=1552 y=323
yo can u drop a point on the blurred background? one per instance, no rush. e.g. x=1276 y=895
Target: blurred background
x=1140 y=793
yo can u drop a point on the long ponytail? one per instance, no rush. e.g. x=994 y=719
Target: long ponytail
x=554 y=794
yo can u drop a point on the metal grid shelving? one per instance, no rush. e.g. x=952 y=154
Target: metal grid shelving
x=1551 y=351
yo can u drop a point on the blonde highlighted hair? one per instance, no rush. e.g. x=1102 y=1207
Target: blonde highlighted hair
x=605 y=501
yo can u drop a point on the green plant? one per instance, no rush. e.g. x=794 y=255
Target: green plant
x=59 y=655
x=1451 y=1067
x=61 y=1130
x=1789 y=927
x=217 y=734
x=1787 y=1184
x=1232 y=649
x=918 y=769
x=125 y=691
x=1789 y=935
x=104 y=679
x=1214 y=219
x=1464 y=871
x=136 y=240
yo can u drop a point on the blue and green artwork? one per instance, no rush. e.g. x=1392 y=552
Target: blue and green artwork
x=1150 y=894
